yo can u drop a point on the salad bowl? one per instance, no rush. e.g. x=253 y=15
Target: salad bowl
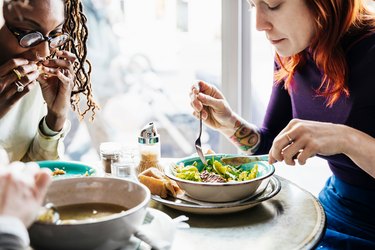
x=236 y=187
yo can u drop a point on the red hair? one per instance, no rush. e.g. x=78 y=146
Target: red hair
x=334 y=19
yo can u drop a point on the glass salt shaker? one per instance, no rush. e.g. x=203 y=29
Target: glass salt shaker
x=149 y=148
x=109 y=152
x=124 y=169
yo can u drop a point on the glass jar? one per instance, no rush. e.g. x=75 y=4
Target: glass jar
x=124 y=169
x=149 y=148
x=109 y=152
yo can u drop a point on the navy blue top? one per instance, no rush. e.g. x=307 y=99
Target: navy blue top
x=357 y=110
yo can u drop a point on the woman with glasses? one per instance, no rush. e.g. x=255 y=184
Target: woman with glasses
x=43 y=73
x=322 y=103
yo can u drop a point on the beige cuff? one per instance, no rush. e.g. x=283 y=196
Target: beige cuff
x=50 y=147
x=49 y=134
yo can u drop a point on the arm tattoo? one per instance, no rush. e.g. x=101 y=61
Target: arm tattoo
x=246 y=138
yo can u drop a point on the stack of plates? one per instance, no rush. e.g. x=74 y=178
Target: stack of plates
x=265 y=191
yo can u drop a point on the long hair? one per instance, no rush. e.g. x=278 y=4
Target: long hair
x=75 y=25
x=334 y=19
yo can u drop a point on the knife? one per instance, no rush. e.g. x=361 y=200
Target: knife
x=243 y=159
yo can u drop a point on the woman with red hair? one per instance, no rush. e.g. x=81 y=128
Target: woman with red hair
x=321 y=104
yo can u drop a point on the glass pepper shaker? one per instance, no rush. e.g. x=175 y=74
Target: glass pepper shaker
x=109 y=152
x=149 y=148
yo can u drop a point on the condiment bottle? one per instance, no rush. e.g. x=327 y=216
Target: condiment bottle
x=109 y=152
x=149 y=148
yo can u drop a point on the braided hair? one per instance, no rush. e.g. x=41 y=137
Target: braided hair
x=75 y=25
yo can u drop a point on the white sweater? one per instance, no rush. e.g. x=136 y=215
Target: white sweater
x=20 y=131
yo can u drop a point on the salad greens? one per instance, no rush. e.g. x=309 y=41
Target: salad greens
x=221 y=172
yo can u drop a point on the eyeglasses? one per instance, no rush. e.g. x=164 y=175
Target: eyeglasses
x=33 y=38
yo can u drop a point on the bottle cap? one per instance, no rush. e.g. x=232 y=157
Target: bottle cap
x=149 y=134
x=110 y=148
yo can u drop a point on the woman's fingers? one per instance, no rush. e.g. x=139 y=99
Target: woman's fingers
x=23 y=74
x=16 y=82
x=304 y=155
x=280 y=143
x=26 y=69
x=57 y=63
x=66 y=55
x=61 y=67
x=42 y=180
x=64 y=59
x=19 y=88
x=12 y=64
x=301 y=139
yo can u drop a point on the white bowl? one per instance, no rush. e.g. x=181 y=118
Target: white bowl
x=222 y=192
x=110 y=232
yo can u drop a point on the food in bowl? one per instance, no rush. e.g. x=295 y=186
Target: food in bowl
x=111 y=231
x=68 y=169
x=76 y=213
x=88 y=211
x=58 y=171
x=256 y=171
x=215 y=171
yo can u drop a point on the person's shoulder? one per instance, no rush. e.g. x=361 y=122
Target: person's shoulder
x=362 y=42
x=360 y=51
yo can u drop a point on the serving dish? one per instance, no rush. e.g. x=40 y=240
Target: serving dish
x=71 y=168
x=265 y=191
x=109 y=232
x=222 y=192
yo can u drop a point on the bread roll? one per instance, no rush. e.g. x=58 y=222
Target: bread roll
x=158 y=183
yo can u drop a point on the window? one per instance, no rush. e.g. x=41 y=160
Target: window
x=145 y=56
x=247 y=65
x=262 y=58
x=145 y=60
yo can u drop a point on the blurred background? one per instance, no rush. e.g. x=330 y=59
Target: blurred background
x=146 y=54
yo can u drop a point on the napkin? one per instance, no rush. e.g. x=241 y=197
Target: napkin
x=159 y=229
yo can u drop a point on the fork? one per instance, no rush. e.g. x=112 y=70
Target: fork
x=198 y=146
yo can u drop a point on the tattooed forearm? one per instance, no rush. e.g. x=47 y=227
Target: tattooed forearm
x=246 y=138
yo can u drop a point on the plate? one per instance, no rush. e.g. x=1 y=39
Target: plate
x=263 y=193
x=71 y=168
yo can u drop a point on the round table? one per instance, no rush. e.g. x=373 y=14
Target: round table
x=293 y=219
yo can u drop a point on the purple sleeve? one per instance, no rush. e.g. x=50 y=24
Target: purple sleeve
x=278 y=115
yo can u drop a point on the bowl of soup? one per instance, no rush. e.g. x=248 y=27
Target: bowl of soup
x=95 y=213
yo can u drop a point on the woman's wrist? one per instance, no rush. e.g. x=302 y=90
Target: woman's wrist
x=229 y=128
x=55 y=122
x=242 y=134
x=353 y=141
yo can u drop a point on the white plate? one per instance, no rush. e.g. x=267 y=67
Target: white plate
x=187 y=204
